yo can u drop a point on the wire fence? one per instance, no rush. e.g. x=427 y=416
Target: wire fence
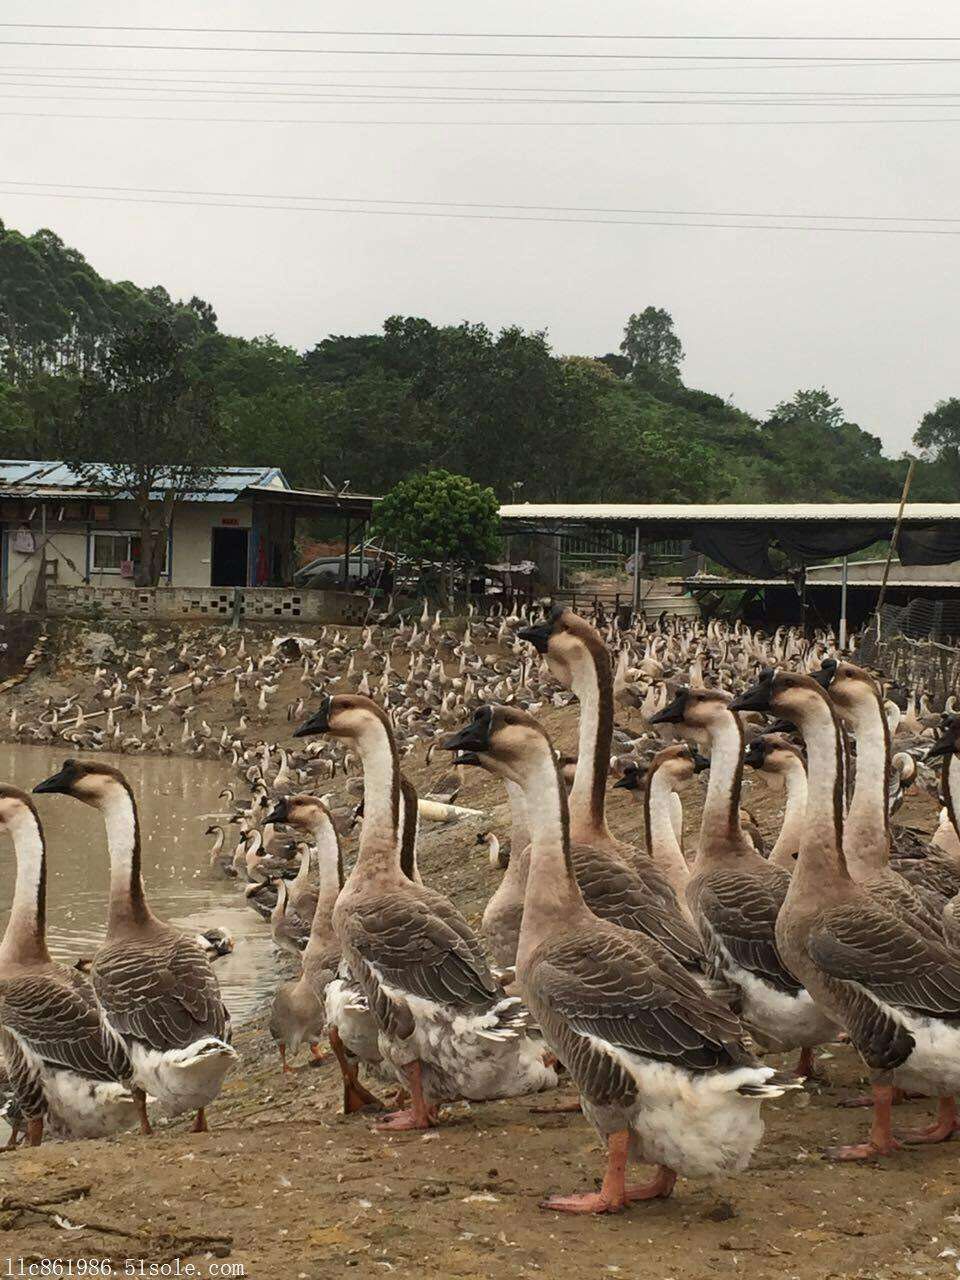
x=916 y=645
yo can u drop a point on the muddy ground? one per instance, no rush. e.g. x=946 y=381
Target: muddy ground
x=284 y=1186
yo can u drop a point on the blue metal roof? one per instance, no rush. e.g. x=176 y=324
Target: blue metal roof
x=55 y=479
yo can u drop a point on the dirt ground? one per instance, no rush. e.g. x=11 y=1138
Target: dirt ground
x=284 y=1186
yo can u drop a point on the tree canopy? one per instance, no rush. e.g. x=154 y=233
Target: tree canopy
x=500 y=407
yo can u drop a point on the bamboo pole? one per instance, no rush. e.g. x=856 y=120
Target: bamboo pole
x=894 y=540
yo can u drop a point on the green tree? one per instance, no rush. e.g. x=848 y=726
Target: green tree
x=938 y=435
x=145 y=430
x=443 y=518
x=652 y=347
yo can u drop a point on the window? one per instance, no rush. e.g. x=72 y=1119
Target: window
x=111 y=551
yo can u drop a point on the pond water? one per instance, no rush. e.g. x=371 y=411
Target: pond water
x=172 y=795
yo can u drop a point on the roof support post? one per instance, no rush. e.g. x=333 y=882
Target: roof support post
x=843 y=604
x=636 y=568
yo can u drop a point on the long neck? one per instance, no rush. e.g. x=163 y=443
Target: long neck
x=662 y=843
x=720 y=826
x=593 y=685
x=519 y=822
x=409 y=830
x=379 y=849
x=127 y=899
x=553 y=901
x=950 y=785
x=787 y=845
x=24 y=939
x=328 y=855
x=821 y=858
x=866 y=836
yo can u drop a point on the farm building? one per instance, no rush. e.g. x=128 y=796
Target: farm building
x=59 y=532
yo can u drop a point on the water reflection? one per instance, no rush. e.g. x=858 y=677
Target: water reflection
x=171 y=794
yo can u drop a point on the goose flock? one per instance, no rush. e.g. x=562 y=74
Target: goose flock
x=648 y=983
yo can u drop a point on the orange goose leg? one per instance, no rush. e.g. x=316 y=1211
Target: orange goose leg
x=287 y=1071
x=947 y=1124
x=419 y=1115
x=614 y=1194
x=881 y=1141
x=200 y=1124
x=355 y=1096
x=140 y=1098
x=35 y=1131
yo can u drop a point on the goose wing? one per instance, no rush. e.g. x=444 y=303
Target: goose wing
x=162 y=993
x=419 y=944
x=863 y=944
x=739 y=915
x=62 y=1028
x=615 y=893
x=609 y=987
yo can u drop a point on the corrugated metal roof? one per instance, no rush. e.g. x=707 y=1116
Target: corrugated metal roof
x=55 y=479
x=577 y=512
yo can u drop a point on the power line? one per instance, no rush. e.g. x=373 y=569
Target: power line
x=461 y=35
x=473 y=204
x=476 y=124
x=809 y=65
x=475 y=53
x=492 y=217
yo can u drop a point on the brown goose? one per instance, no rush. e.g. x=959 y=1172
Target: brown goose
x=667 y=772
x=663 y=1072
x=298 y=1015
x=735 y=894
x=444 y=1023
x=155 y=985
x=866 y=835
x=65 y=1064
x=895 y=990
x=578 y=658
x=777 y=759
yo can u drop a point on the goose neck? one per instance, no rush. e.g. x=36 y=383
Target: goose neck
x=552 y=902
x=784 y=851
x=519 y=821
x=662 y=843
x=720 y=827
x=950 y=786
x=379 y=848
x=820 y=859
x=866 y=836
x=127 y=898
x=25 y=937
x=593 y=684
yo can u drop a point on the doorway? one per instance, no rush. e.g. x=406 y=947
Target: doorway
x=228 y=559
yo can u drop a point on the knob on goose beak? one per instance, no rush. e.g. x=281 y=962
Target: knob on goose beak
x=474 y=736
x=673 y=712
x=59 y=783
x=319 y=722
x=757 y=698
x=827 y=673
x=538 y=636
x=278 y=813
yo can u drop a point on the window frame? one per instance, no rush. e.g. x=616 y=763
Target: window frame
x=131 y=535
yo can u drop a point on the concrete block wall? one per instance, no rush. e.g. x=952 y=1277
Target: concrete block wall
x=265 y=604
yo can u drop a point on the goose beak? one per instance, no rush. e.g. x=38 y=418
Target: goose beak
x=319 y=722
x=629 y=782
x=278 y=813
x=672 y=713
x=466 y=757
x=539 y=637
x=825 y=676
x=755 y=699
x=57 y=784
x=753 y=756
x=474 y=736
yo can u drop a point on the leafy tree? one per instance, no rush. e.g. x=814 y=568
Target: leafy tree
x=440 y=517
x=938 y=435
x=652 y=347
x=145 y=430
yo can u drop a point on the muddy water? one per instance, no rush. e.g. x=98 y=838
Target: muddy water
x=172 y=795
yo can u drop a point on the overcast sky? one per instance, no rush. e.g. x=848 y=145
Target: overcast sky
x=873 y=317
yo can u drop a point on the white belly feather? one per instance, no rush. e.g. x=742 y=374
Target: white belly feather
x=182 y=1079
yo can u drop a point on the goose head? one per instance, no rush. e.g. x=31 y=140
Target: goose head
x=780 y=693
x=16 y=809
x=93 y=782
x=773 y=756
x=348 y=716
x=304 y=812
x=509 y=741
x=567 y=641
x=695 y=712
x=948 y=743
x=675 y=765
x=853 y=691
